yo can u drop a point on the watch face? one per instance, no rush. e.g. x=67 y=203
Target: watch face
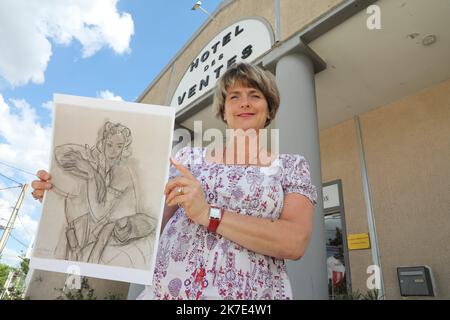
x=214 y=213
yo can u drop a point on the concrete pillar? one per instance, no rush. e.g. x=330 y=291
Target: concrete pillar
x=134 y=291
x=299 y=133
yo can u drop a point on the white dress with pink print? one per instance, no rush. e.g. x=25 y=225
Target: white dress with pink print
x=193 y=263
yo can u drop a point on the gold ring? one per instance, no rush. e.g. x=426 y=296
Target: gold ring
x=180 y=191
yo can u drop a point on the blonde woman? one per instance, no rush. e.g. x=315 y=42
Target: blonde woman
x=231 y=219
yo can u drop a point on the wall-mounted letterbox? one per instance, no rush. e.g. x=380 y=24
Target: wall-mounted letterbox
x=415 y=281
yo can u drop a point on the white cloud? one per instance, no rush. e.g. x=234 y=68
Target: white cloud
x=28 y=26
x=7 y=200
x=5 y=208
x=25 y=227
x=48 y=105
x=25 y=144
x=11 y=257
x=108 y=95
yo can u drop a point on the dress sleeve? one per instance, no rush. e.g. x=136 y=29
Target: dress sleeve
x=297 y=178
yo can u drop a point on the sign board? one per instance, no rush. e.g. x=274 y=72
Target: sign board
x=245 y=40
x=358 y=241
x=331 y=196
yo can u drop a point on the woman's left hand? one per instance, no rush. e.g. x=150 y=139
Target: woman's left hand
x=187 y=192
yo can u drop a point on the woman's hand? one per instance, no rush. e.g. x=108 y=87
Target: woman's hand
x=187 y=192
x=40 y=186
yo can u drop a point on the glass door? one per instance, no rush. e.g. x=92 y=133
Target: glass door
x=338 y=266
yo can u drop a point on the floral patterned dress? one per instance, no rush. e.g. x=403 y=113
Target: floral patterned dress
x=193 y=263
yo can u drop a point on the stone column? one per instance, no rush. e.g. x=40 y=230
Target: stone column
x=299 y=133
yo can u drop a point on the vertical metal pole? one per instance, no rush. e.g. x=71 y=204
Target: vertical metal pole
x=277 y=20
x=12 y=219
x=368 y=200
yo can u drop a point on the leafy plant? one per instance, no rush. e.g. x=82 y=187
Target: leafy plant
x=4 y=271
x=15 y=293
x=357 y=295
x=24 y=264
x=373 y=295
x=17 y=286
x=113 y=296
x=352 y=295
x=84 y=293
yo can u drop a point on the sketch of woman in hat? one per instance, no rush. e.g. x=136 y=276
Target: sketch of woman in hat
x=103 y=222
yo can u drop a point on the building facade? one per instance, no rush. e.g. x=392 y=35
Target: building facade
x=365 y=97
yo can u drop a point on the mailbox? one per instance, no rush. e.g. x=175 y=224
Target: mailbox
x=415 y=281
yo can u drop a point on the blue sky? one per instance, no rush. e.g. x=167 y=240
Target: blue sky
x=94 y=48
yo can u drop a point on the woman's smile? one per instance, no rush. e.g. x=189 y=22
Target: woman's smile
x=246 y=115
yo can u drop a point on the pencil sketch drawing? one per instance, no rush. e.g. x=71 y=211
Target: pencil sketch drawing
x=103 y=224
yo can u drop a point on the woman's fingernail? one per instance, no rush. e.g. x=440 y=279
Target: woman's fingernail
x=48 y=185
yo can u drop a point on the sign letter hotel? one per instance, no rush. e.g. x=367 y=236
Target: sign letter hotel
x=245 y=40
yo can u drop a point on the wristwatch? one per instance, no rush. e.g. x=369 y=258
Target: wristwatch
x=215 y=217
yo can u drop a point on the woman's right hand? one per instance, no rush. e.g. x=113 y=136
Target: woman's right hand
x=40 y=186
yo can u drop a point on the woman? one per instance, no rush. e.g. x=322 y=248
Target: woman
x=228 y=225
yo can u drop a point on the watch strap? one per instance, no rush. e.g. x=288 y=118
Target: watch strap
x=214 y=223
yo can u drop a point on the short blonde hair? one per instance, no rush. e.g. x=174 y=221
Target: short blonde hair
x=252 y=77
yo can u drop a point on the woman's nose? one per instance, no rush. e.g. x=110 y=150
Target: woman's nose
x=244 y=103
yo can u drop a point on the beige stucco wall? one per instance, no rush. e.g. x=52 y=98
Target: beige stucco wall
x=296 y=15
x=158 y=93
x=407 y=145
x=340 y=160
x=407 y=148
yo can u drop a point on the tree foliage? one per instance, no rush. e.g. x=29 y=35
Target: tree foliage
x=17 y=285
x=4 y=271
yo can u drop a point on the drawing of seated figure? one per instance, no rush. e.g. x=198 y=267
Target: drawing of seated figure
x=104 y=225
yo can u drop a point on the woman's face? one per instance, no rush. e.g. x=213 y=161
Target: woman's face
x=245 y=108
x=114 y=146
